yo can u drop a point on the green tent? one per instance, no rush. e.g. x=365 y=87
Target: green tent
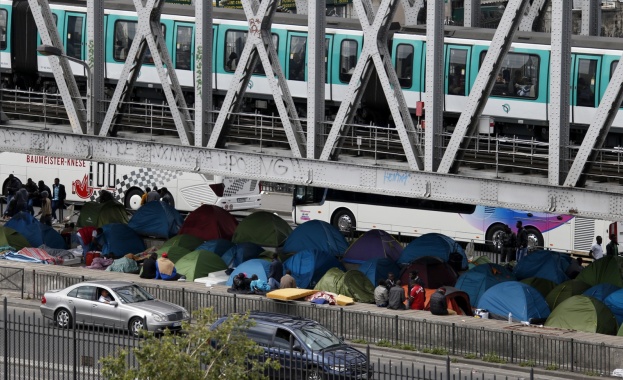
x=583 y=313
x=620 y=333
x=565 y=290
x=355 y=284
x=179 y=246
x=262 y=228
x=199 y=264
x=608 y=270
x=10 y=237
x=329 y=282
x=96 y=214
x=544 y=286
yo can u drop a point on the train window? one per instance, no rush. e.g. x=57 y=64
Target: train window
x=3 y=26
x=457 y=72
x=298 y=55
x=518 y=77
x=234 y=44
x=585 y=89
x=74 y=36
x=183 y=47
x=124 y=35
x=404 y=65
x=348 y=60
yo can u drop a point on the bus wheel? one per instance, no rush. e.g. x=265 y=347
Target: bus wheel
x=535 y=239
x=494 y=237
x=344 y=221
x=133 y=199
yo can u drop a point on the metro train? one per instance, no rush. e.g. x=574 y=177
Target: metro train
x=518 y=103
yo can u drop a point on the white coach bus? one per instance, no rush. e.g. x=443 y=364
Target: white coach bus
x=84 y=180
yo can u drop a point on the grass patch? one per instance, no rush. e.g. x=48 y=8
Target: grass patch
x=591 y=373
x=360 y=341
x=454 y=360
x=529 y=363
x=406 y=347
x=493 y=358
x=384 y=343
x=552 y=367
x=470 y=356
x=435 y=351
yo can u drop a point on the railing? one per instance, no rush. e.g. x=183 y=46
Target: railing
x=12 y=279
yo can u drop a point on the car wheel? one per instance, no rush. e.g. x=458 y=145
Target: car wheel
x=133 y=199
x=494 y=237
x=314 y=374
x=344 y=221
x=63 y=318
x=136 y=325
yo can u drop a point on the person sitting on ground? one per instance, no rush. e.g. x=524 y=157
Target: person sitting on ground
x=396 y=297
x=414 y=278
x=166 y=197
x=153 y=195
x=258 y=285
x=241 y=282
x=417 y=297
x=105 y=296
x=97 y=240
x=390 y=282
x=439 y=304
x=287 y=281
x=149 y=266
x=165 y=269
x=381 y=294
x=275 y=272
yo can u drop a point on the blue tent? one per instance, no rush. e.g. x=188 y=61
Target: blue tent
x=240 y=253
x=36 y=232
x=156 y=219
x=521 y=300
x=218 y=246
x=308 y=267
x=316 y=235
x=373 y=244
x=479 y=279
x=433 y=244
x=251 y=267
x=615 y=303
x=601 y=291
x=545 y=264
x=119 y=239
x=378 y=268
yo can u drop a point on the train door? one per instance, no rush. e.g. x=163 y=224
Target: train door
x=75 y=33
x=456 y=77
x=296 y=64
x=587 y=69
x=183 y=52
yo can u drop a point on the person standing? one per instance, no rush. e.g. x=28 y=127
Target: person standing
x=522 y=241
x=381 y=294
x=12 y=186
x=166 y=197
x=42 y=187
x=46 y=209
x=396 y=297
x=509 y=244
x=612 y=249
x=287 y=281
x=33 y=193
x=597 y=252
x=58 y=198
x=275 y=273
x=153 y=195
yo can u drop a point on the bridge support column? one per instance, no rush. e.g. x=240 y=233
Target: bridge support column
x=412 y=10
x=527 y=22
x=471 y=14
x=203 y=71
x=468 y=121
x=259 y=44
x=316 y=46
x=149 y=35
x=434 y=84
x=96 y=63
x=375 y=54
x=591 y=18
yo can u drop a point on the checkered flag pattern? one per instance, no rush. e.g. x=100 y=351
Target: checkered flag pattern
x=141 y=178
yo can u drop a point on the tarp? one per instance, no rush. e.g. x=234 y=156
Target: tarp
x=156 y=219
x=436 y=245
x=615 y=303
x=119 y=239
x=210 y=222
x=35 y=232
x=308 y=266
x=373 y=244
x=262 y=228
x=12 y=238
x=522 y=301
x=218 y=246
x=542 y=285
x=378 y=268
x=456 y=299
x=608 y=269
x=97 y=214
x=479 y=279
x=239 y=253
x=549 y=265
x=251 y=267
x=583 y=313
x=186 y=243
x=433 y=271
x=601 y=291
x=316 y=235
x=199 y=263
x=40 y=254
x=565 y=290
x=123 y=265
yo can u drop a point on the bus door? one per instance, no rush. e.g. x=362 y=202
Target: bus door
x=296 y=64
x=75 y=33
x=587 y=69
x=102 y=176
x=456 y=77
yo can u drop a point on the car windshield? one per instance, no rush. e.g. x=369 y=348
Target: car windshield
x=317 y=337
x=132 y=294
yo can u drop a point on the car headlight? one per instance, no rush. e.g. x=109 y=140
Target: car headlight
x=338 y=368
x=159 y=318
x=185 y=314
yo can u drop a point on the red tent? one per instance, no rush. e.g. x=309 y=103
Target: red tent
x=433 y=271
x=457 y=300
x=209 y=222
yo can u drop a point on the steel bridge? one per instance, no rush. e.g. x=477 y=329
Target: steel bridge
x=406 y=160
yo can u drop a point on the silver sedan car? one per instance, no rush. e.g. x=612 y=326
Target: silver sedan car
x=116 y=304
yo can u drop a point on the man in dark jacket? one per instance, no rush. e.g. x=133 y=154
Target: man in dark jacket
x=275 y=273
x=58 y=197
x=149 y=266
x=42 y=187
x=438 y=303
x=397 y=297
x=12 y=186
x=33 y=194
x=612 y=248
x=522 y=241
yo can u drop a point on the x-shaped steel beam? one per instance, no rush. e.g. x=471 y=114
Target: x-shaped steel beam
x=375 y=54
x=259 y=44
x=149 y=34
